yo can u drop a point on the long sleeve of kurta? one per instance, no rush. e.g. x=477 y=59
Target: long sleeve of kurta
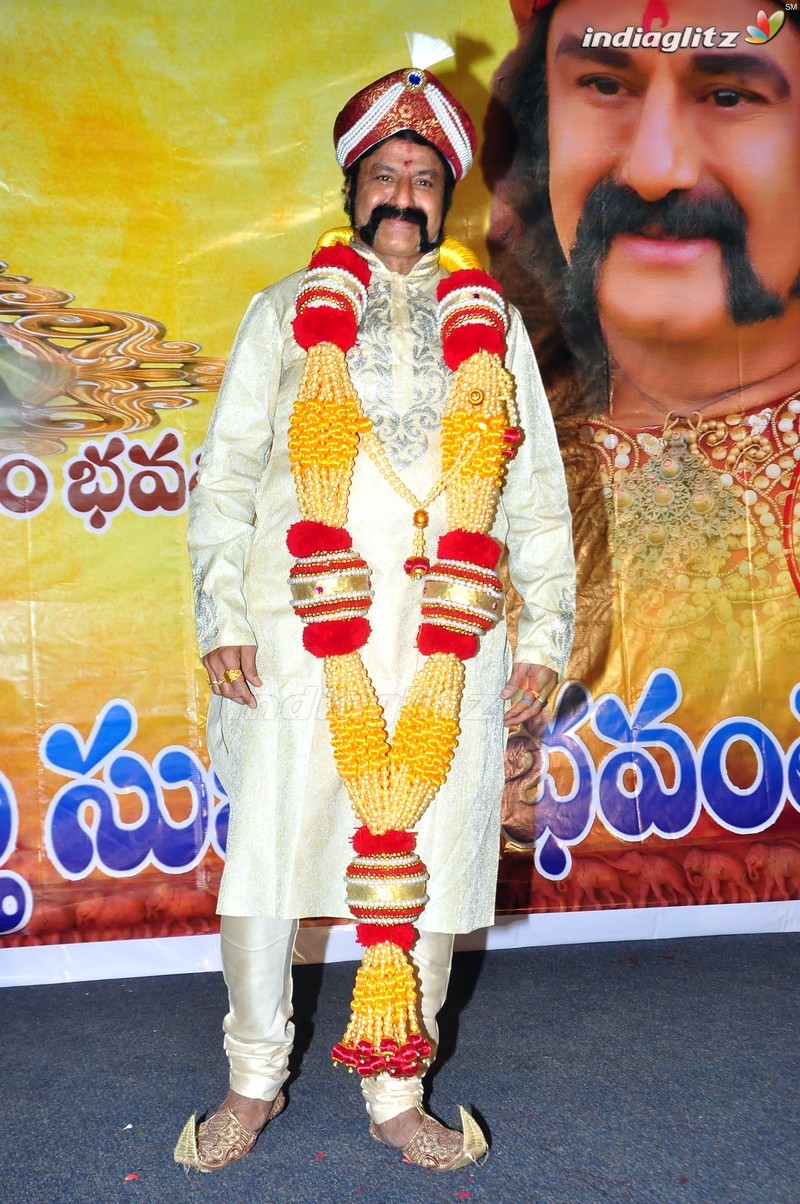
x=222 y=507
x=539 y=536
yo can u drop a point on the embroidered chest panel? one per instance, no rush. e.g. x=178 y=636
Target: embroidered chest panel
x=404 y=396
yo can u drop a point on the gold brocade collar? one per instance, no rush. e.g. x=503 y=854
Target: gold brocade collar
x=425 y=269
x=452 y=256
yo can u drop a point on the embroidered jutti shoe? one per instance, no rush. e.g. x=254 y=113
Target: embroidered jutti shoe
x=221 y=1140
x=437 y=1148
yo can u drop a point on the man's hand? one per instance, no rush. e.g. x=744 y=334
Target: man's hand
x=240 y=664
x=529 y=687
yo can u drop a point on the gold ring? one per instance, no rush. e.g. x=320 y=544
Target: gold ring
x=216 y=681
x=522 y=695
x=232 y=675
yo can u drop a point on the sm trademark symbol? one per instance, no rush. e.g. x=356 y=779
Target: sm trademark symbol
x=791 y=8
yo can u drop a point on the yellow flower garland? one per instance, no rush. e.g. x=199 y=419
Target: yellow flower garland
x=391 y=783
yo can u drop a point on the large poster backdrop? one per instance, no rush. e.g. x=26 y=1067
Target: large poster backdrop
x=159 y=167
x=645 y=167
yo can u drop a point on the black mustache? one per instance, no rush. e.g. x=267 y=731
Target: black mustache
x=418 y=217
x=613 y=208
x=619 y=210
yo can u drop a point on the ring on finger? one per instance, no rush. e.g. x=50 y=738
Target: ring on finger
x=215 y=681
x=529 y=697
x=232 y=675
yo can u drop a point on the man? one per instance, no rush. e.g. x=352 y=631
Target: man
x=646 y=217
x=403 y=143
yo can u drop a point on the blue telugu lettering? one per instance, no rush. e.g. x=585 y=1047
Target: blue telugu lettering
x=649 y=807
x=564 y=818
x=16 y=898
x=793 y=756
x=633 y=810
x=756 y=807
x=627 y=790
x=84 y=829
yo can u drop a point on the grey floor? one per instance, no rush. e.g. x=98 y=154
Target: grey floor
x=652 y=1071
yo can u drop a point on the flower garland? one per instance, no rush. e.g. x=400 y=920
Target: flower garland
x=391 y=784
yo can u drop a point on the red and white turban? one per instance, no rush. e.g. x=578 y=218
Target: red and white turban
x=410 y=99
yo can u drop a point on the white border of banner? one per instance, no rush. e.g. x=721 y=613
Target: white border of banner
x=40 y=964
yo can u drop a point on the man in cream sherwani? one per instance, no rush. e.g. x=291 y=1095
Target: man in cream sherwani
x=403 y=143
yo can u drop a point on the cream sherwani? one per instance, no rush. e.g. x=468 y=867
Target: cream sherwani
x=291 y=820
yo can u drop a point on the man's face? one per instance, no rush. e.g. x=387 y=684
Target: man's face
x=700 y=124
x=402 y=176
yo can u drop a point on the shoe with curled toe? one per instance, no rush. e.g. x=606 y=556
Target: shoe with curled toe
x=437 y=1148
x=221 y=1140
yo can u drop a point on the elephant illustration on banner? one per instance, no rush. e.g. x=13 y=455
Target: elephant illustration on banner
x=774 y=869
x=718 y=877
x=657 y=876
x=595 y=883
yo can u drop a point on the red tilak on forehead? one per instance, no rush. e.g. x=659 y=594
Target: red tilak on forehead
x=655 y=10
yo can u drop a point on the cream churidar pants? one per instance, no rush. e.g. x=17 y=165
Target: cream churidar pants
x=257 y=964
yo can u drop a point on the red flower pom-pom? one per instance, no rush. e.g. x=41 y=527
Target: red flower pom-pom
x=438 y=639
x=342 y=256
x=307 y=538
x=485 y=330
x=323 y=324
x=402 y=935
x=340 y=1053
x=466 y=278
x=371 y=1066
x=327 y=322
x=368 y=844
x=472 y=546
x=335 y=637
x=467 y=340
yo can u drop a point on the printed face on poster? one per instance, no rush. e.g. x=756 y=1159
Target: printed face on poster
x=641 y=220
